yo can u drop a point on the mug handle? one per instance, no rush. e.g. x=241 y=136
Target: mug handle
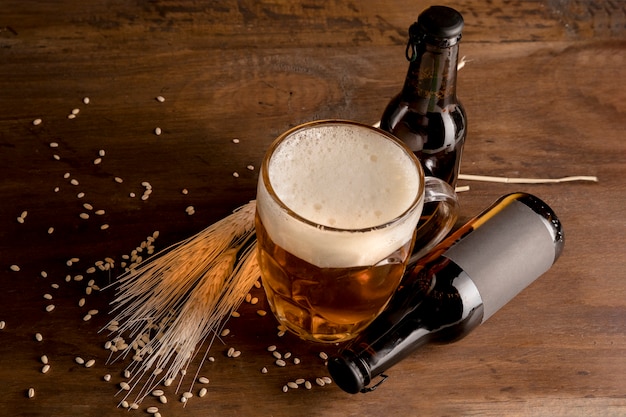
x=438 y=220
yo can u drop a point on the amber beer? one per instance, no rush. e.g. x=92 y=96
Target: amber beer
x=337 y=207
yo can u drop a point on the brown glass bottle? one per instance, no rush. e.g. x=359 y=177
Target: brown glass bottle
x=427 y=115
x=460 y=284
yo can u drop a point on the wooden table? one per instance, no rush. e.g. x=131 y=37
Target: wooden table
x=545 y=96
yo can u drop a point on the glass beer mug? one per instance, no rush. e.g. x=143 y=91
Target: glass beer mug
x=338 y=203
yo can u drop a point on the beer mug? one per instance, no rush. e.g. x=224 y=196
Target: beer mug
x=338 y=203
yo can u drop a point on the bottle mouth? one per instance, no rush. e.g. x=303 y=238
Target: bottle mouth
x=347 y=375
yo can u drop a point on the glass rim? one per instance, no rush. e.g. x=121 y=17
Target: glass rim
x=267 y=184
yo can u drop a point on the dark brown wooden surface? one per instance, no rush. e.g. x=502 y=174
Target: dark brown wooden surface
x=545 y=96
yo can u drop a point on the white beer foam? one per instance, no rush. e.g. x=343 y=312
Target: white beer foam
x=345 y=177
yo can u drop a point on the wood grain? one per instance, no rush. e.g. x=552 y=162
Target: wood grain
x=544 y=95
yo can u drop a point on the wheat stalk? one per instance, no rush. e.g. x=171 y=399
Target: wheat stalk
x=178 y=299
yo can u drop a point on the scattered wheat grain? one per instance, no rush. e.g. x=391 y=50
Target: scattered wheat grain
x=45 y=368
x=38 y=337
x=15 y=268
x=90 y=363
x=37 y=122
x=49 y=308
x=31 y=392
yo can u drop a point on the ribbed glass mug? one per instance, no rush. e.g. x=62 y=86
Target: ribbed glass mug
x=338 y=203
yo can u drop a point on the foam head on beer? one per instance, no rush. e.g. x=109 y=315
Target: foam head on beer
x=344 y=184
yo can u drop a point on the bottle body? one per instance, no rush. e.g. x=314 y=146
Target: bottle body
x=459 y=285
x=426 y=114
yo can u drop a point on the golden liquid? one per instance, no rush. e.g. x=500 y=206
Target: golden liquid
x=326 y=304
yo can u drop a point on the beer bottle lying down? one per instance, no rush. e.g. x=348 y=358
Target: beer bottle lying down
x=461 y=283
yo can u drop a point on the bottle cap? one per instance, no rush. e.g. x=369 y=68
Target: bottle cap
x=439 y=25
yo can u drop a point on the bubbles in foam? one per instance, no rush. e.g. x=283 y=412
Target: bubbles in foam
x=346 y=177
x=350 y=169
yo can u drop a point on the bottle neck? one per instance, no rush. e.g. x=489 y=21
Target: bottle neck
x=437 y=302
x=431 y=79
